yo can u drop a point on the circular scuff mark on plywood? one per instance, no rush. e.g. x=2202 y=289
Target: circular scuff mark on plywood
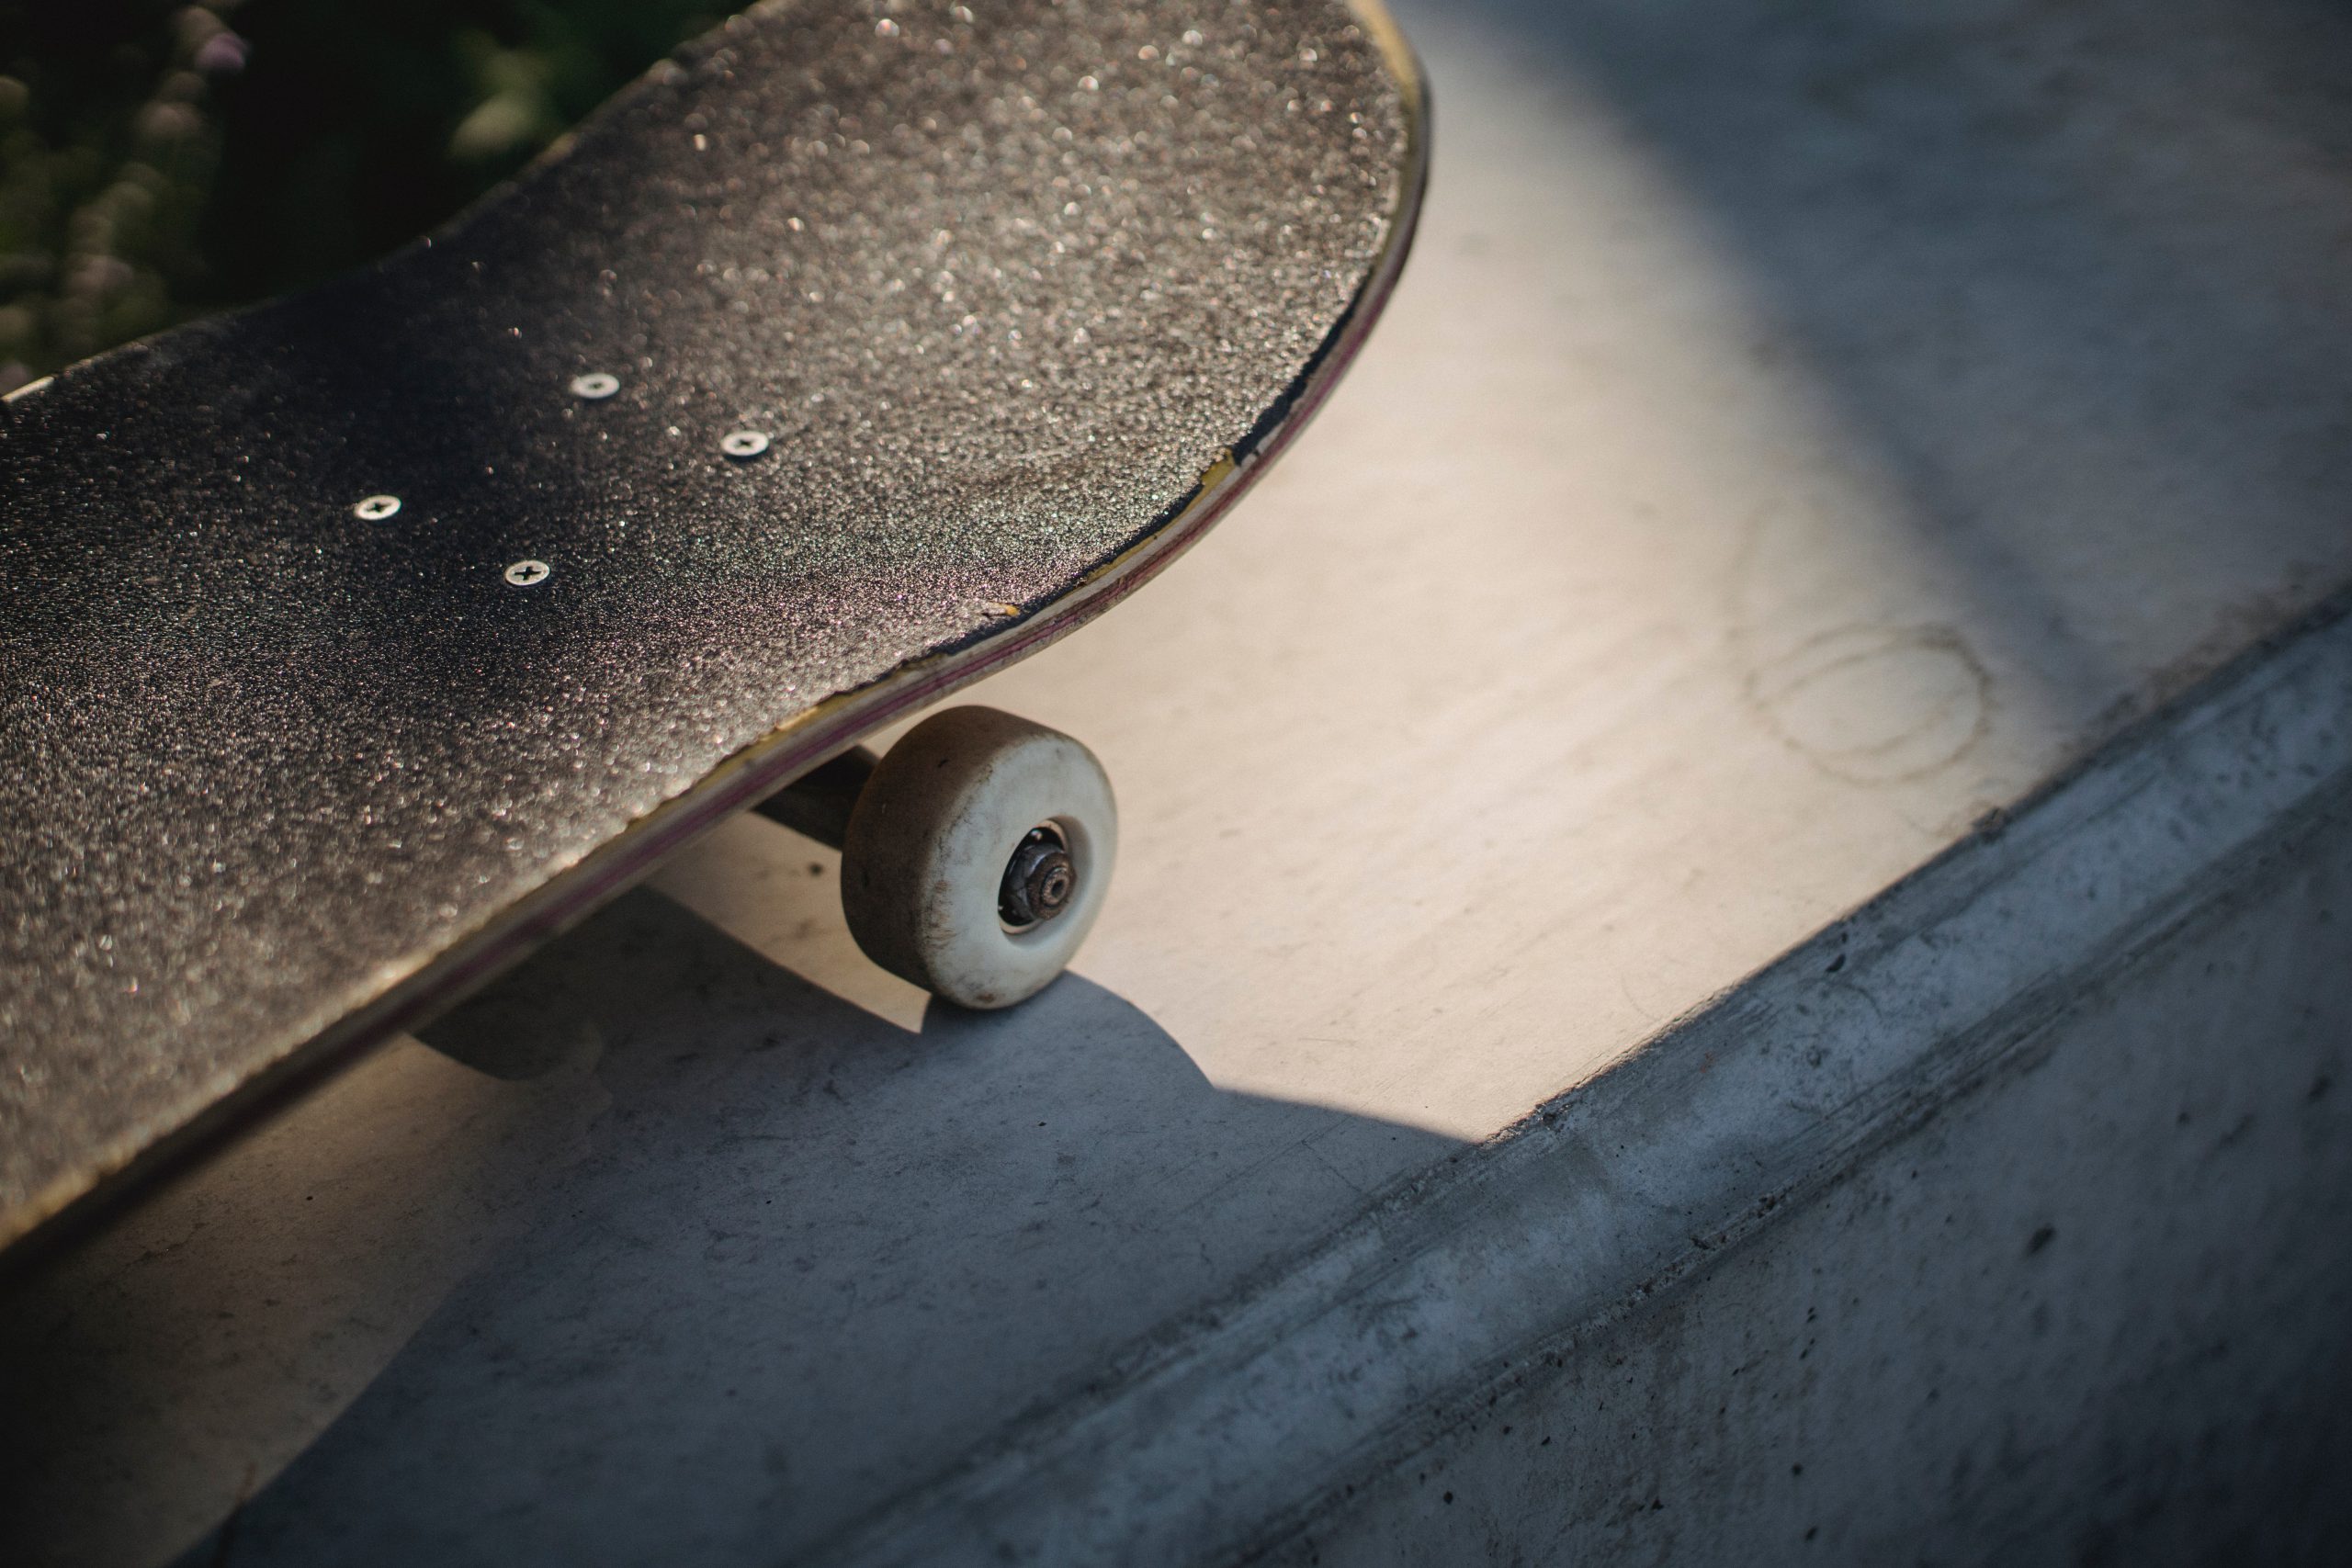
x=1876 y=704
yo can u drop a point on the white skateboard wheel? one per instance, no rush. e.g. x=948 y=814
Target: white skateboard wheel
x=978 y=856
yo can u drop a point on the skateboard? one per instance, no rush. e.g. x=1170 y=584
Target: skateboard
x=354 y=644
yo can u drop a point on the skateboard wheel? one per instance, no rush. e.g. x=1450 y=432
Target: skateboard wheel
x=978 y=855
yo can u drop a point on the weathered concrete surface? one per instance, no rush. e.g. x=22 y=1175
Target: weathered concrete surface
x=1802 y=431
x=2096 y=1308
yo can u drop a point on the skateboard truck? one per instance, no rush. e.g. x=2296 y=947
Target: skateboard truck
x=975 y=855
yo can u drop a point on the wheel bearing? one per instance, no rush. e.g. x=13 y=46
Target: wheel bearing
x=1040 y=880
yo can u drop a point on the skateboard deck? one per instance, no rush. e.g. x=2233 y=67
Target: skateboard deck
x=356 y=644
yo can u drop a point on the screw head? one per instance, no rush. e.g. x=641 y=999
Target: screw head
x=744 y=443
x=376 y=508
x=596 y=386
x=529 y=573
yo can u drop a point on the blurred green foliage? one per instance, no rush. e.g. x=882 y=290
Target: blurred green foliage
x=159 y=159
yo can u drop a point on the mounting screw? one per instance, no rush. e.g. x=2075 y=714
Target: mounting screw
x=744 y=443
x=376 y=508
x=1038 y=880
x=527 y=573
x=596 y=386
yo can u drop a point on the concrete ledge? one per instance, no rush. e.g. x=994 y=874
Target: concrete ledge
x=1255 y=1419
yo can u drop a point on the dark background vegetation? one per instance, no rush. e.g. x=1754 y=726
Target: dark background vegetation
x=160 y=160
